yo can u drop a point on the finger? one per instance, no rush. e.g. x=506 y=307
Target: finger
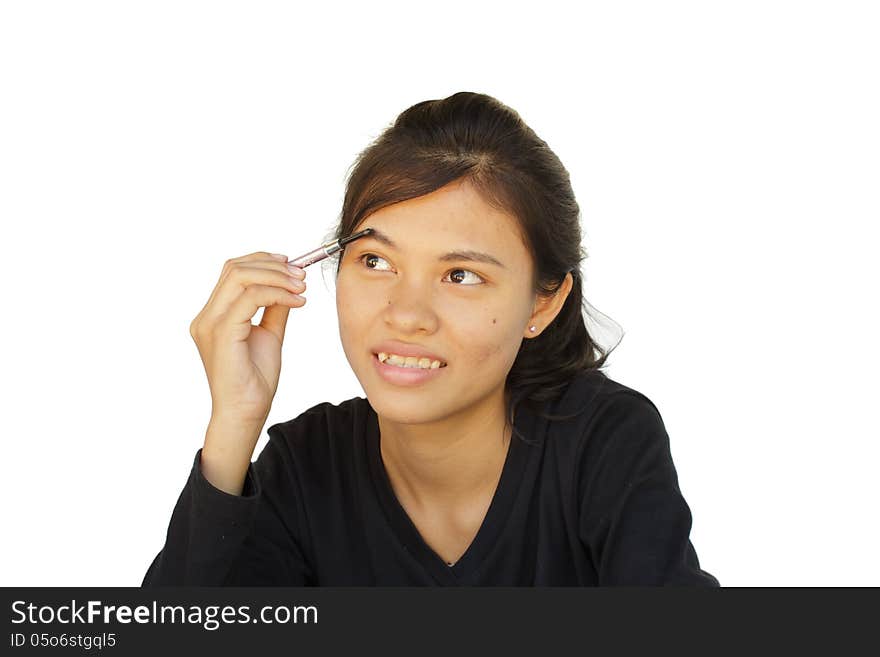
x=260 y=259
x=242 y=310
x=241 y=277
x=275 y=317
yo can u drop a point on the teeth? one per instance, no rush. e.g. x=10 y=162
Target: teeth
x=409 y=361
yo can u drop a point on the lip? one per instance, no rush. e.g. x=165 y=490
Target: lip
x=405 y=376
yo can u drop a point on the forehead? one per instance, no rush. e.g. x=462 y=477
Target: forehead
x=454 y=216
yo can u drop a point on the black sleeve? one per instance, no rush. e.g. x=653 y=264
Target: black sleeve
x=634 y=519
x=218 y=539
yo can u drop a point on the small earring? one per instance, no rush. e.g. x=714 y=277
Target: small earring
x=531 y=328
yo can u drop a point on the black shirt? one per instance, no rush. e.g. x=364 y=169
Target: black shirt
x=595 y=502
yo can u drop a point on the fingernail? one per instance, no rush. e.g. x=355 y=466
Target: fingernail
x=279 y=256
x=299 y=272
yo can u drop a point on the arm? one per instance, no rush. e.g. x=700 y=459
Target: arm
x=634 y=519
x=215 y=538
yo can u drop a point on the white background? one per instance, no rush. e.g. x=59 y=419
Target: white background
x=724 y=154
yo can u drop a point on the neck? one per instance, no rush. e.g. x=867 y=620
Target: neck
x=451 y=460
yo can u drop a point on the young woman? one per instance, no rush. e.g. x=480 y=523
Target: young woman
x=490 y=449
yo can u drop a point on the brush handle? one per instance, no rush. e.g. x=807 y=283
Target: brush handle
x=317 y=255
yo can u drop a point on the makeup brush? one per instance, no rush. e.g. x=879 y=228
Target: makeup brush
x=327 y=249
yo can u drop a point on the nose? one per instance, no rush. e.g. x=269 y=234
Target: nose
x=410 y=308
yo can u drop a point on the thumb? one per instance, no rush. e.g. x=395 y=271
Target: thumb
x=274 y=320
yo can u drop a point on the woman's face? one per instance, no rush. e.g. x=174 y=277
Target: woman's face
x=472 y=314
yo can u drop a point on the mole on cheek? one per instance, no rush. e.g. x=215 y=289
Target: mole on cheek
x=493 y=320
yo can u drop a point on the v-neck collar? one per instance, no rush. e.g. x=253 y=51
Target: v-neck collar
x=406 y=531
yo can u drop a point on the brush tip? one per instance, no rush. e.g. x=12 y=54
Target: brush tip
x=354 y=236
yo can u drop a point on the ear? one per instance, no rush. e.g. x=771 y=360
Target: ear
x=546 y=308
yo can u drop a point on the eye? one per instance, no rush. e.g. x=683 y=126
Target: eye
x=363 y=259
x=371 y=256
x=468 y=271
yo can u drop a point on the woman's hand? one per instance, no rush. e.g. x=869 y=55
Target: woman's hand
x=242 y=360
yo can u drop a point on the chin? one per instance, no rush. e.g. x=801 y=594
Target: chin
x=403 y=407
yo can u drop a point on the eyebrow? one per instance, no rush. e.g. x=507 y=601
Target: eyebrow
x=462 y=254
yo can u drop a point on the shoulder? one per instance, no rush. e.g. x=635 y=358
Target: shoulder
x=599 y=404
x=612 y=426
x=626 y=409
x=623 y=443
x=322 y=431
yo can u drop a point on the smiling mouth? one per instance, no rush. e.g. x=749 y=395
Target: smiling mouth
x=401 y=362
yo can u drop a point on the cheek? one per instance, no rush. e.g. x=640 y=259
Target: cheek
x=349 y=306
x=487 y=353
x=499 y=342
x=349 y=295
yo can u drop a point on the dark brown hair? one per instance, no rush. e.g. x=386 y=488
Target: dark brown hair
x=475 y=137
